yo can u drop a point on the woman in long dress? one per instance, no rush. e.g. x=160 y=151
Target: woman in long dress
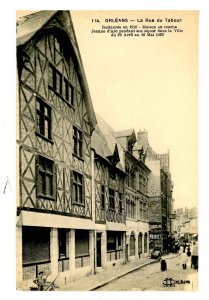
x=184 y=260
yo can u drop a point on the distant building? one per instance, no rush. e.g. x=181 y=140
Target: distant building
x=186 y=222
x=136 y=197
x=160 y=189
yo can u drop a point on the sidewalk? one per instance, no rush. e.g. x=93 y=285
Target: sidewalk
x=93 y=282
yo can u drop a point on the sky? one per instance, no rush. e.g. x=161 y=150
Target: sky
x=148 y=83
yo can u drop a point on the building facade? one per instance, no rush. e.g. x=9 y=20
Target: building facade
x=160 y=189
x=87 y=197
x=55 y=231
x=136 y=198
x=109 y=177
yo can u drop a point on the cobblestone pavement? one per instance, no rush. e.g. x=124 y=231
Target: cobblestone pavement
x=150 y=278
x=93 y=282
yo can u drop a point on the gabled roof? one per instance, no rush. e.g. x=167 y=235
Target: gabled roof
x=31 y=26
x=28 y=25
x=105 y=143
x=129 y=134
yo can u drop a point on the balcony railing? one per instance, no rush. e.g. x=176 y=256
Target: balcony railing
x=115 y=216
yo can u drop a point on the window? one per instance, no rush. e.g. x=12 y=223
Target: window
x=68 y=91
x=102 y=197
x=43 y=112
x=45 y=177
x=60 y=84
x=112 y=172
x=36 y=244
x=78 y=188
x=81 y=242
x=130 y=208
x=120 y=203
x=77 y=142
x=111 y=199
x=111 y=240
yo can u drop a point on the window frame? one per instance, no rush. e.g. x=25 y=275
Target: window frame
x=67 y=94
x=41 y=114
x=42 y=172
x=102 y=197
x=120 y=203
x=111 y=199
x=78 y=186
x=77 y=142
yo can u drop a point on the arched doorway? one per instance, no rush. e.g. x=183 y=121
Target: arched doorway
x=140 y=244
x=132 y=244
x=145 y=242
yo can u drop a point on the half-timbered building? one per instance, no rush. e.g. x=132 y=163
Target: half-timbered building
x=55 y=231
x=108 y=190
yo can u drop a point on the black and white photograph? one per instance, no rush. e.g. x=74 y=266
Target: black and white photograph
x=106 y=195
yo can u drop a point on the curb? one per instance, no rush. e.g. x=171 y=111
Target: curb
x=97 y=286
x=119 y=276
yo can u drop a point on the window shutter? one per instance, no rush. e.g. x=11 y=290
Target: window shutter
x=36 y=244
x=55 y=181
x=71 y=185
x=37 y=175
x=83 y=189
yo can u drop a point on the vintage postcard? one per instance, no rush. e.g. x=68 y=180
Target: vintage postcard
x=107 y=138
x=110 y=152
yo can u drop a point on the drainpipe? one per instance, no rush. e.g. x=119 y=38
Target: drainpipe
x=93 y=203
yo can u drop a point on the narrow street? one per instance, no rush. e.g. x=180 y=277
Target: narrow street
x=150 y=278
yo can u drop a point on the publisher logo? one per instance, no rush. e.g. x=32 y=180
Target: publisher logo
x=170 y=282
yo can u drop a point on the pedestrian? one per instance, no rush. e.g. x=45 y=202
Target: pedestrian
x=184 y=259
x=40 y=281
x=163 y=264
x=188 y=252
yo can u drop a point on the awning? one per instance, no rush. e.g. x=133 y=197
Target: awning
x=28 y=218
x=111 y=226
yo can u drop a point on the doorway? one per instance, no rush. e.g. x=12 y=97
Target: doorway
x=99 y=253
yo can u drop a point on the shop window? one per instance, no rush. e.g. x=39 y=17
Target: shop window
x=81 y=242
x=111 y=241
x=36 y=245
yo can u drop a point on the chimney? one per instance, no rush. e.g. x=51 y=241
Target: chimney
x=142 y=138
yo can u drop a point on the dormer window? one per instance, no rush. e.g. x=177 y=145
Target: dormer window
x=130 y=146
